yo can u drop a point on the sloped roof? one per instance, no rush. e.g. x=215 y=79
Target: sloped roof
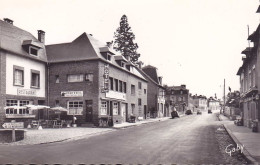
x=148 y=77
x=254 y=35
x=12 y=39
x=151 y=71
x=85 y=47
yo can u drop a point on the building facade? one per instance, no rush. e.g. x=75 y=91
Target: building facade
x=88 y=79
x=155 y=93
x=23 y=73
x=213 y=104
x=249 y=81
x=178 y=97
x=199 y=102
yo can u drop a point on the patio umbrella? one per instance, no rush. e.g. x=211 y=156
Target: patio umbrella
x=59 y=110
x=36 y=107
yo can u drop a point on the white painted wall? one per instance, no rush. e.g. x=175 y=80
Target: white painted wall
x=28 y=64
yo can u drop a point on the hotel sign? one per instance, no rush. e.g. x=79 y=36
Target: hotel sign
x=26 y=92
x=106 y=79
x=71 y=93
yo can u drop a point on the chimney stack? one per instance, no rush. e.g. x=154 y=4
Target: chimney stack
x=41 y=36
x=8 y=21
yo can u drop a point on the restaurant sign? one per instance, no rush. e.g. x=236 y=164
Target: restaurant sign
x=26 y=92
x=71 y=93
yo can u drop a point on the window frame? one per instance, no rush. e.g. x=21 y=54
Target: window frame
x=18 y=68
x=79 y=79
x=90 y=77
x=78 y=109
x=39 y=78
x=34 y=48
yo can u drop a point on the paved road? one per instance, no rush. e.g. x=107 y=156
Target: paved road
x=184 y=140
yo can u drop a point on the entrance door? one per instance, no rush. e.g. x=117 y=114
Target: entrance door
x=89 y=111
x=123 y=111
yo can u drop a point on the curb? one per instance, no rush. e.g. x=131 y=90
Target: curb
x=129 y=126
x=247 y=155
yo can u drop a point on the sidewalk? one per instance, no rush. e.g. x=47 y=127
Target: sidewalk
x=52 y=135
x=244 y=136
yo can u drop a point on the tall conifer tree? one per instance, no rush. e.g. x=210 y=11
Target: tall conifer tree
x=124 y=41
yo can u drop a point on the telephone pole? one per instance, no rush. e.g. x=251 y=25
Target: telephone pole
x=224 y=96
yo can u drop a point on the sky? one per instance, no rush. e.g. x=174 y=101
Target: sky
x=193 y=42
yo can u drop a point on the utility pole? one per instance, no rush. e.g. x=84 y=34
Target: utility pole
x=224 y=97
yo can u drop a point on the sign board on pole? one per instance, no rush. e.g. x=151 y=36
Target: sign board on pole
x=10 y=125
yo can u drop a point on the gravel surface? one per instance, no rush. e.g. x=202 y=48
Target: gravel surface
x=224 y=141
x=50 y=135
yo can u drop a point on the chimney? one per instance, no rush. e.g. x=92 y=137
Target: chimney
x=41 y=36
x=183 y=86
x=8 y=21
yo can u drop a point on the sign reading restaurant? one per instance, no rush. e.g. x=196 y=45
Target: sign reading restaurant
x=26 y=92
x=71 y=93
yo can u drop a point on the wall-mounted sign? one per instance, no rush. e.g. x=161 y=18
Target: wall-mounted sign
x=116 y=95
x=106 y=79
x=71 y=93
x=26 y=92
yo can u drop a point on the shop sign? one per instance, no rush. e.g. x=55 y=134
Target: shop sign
x=106 y=79
x=116 y=95
x=71 y=93
x=9 y=125
x=26 y=92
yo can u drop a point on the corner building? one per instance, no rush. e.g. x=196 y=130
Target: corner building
x=92 y=82
x=23 y=73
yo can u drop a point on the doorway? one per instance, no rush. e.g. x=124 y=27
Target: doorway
x=89 y=111
x=123 y=111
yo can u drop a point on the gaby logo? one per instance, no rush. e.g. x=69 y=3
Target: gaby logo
x=231 y=149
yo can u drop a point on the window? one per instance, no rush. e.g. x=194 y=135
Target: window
x=24 y=102
x=75 y=107
x=75 y=78
x=116 y=84
x=11 y=102
x=124 y=87
x=139 y=102
x=18 y=75
x=115 y=108
x=144 y=91
x=111 y=81
x=133 y=108
x=133 y=89
x=109 y=57
x=33 y=51
x=57 y=103
x=139 y=85
x=89 y=77
x=35 y=81
x=253 y=77
x=122 y=64
x=120 y=86
x=57 y=79
x=103 y=108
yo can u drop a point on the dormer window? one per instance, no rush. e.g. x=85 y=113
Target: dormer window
x=33 y=51
x=106 y=53
x=31 y=47
x=108 y=57
x=122 y=64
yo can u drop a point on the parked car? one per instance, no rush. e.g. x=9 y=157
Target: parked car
x=199 y=112
x=174 y=114
x=188 y=112
x=209 y=111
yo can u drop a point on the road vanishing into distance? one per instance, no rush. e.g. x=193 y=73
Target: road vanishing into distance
x=185 y=140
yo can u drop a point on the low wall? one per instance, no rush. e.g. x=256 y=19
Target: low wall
x=6 y=135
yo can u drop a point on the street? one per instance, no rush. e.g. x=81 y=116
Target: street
x=190 y=139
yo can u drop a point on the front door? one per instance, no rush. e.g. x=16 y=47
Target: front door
x=123 y=111
x=89 y=111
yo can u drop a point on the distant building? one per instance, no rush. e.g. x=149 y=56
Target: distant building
x=178 y=97
x=155 y=93
x=199 y=102
x=92 y=82
x=213 y=104
x=23 y=73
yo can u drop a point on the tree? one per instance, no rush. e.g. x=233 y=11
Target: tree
x=124 y=41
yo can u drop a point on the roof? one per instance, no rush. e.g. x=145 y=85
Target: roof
x=258 y=10
x=246 y=51
x=85 y=47
x=151 y=71
x=12 y=38
x=254 y=35
x=149 y=78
